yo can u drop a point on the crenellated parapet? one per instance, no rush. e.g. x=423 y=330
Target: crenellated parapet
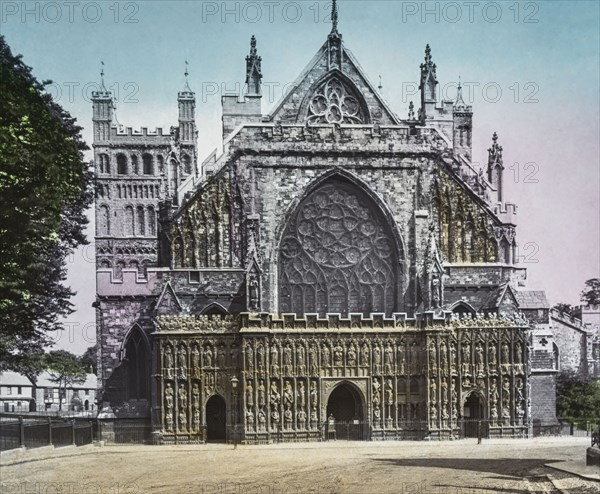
x=336 y=139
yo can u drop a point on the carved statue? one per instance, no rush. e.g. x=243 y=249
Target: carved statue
x=182 y=419
x=453 y=366
x=249 y=394
x=262 y=394
x=444 y=391
x=221 y=357
x=388 y=359
x=274 y=360
x=492 y=355
x=208 y=357
x=479 y=359
x=401 y=355
x=196 y=396
x=377 y=358
x=466 y=358
x=253 y=298
x=364 y=355
x=261 y=358
x=196 y=361
x=275 y=397
x=338 y=355
x=312 y=360
x=325 y=356
x=169 y=361
x=182 y=362
x=519 y=357
x=182 y=394
x=351 y=356
x=301 y=395
x=505 y=353
x=389 y=392
x=300 y=360
x=376 y=393
x=249 y=359
x=433 y=391
x=314 y=397
x=169 y=397
x=288 y=395
x=443 y=355
x=436 y=295
x=432 y=356
x=287 y=360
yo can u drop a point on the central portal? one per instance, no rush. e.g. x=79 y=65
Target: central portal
x=216 y=419
x=345 y=410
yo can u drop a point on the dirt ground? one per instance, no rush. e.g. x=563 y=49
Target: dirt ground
x=460 y=467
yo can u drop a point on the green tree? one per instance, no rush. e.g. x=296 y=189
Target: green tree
x=45 y=189
x=591 y=293
x=65 y=369
x=566 y=308
x=577 y=399
x=89 y=359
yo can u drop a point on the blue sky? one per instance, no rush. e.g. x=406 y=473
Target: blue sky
x=532 y=68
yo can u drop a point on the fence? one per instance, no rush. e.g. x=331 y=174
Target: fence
x=31 y=433
x=125 y=432
x=567 y=427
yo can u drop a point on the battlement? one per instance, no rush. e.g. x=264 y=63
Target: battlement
x=237 y=111
x=356 y=323
x=506 y=212
x=116 y=131
x=129 y=285
x=347 y=139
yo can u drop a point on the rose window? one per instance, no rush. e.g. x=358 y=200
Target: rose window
x=333 y=104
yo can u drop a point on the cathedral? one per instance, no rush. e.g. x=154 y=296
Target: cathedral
x=336 y=268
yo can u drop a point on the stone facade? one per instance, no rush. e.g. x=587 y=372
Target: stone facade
x=335 y=262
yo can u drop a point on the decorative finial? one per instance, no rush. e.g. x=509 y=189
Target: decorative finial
x=102 y=86
x=380 y=87
x=495 y=137
x=411 y=111
x=186 y=73
x=427 y=53
x=460 y=102
x=334 y=17
x=253 y=45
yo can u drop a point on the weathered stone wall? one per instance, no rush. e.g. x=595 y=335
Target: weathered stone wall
x=543 y=397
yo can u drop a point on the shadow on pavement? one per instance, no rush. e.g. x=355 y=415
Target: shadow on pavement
x=508 y=468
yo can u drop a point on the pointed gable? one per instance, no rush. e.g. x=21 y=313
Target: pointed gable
x=168 y=304
x=333 y=88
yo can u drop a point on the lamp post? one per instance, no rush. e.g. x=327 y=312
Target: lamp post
x=234 y=384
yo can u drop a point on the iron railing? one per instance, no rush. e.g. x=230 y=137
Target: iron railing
x=35 y=433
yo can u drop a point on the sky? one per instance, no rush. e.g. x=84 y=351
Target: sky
x=529 y=68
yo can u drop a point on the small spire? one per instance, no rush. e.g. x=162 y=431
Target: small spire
x=334 y=17
x=102 y=86
x=186 y=87
x=427 y=53
x=460 y=102
x=253 y=70
x=380 y=87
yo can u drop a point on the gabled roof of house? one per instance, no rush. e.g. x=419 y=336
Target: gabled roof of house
x=10 y=378
x=44 y=381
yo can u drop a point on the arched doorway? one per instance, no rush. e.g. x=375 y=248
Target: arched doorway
x=473 y=416
x=345 y=410
x=216 y=413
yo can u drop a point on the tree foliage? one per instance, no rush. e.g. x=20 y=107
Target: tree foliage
x=45 y=189
x=591 y=293
x=65 y=369
x=89 y=359
x=577 y=398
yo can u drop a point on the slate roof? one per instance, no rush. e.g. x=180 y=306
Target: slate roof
x=43 y=381
x=9 y=378
x=532 y=299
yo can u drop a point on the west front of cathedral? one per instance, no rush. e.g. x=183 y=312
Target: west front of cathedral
x=335 y=268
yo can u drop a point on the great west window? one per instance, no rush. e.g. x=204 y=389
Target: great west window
x=338 y=254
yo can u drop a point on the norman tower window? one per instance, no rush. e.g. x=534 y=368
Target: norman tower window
x=148 y=164
x=121 y=164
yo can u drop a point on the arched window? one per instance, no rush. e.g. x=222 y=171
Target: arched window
x=134 y=164
x=121 y=164
x=129 y=221
x=161 y=163
x=104 y=163
x=148 y=164
x=338 y=254
x=335 y=101
x=505 y=251
x=187 y=164
x=141 y=221
x=174 y=176
x=103 y=227
x=151 y=221
x=119 y=269
x=136 y=365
